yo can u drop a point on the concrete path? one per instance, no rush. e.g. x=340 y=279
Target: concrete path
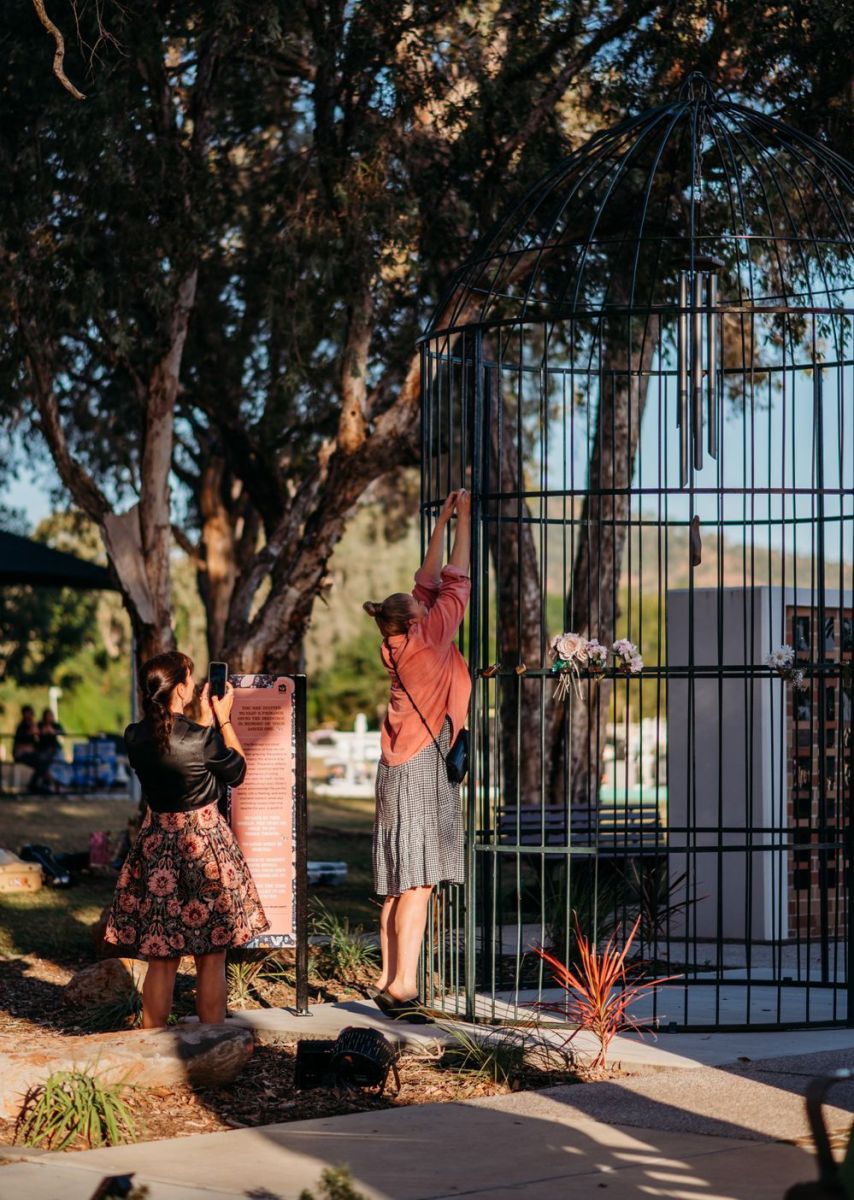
x=665 y=1050
x=529 y=1145
x=715 y=1132
x=709 y=1134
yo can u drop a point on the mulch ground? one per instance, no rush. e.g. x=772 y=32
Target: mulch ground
x=32 y=1014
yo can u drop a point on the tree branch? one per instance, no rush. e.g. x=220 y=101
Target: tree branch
x=87 y=495
x=59 y=55
x=190 y=549
x=562 y=80
x=352 y=426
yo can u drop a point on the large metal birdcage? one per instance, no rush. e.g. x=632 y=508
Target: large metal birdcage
x=645 y=379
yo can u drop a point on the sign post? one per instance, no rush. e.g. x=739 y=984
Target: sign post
x=268 y=811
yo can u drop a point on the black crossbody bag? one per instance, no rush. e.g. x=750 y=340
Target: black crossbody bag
x=457 y=759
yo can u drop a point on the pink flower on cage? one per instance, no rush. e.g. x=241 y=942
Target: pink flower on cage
x=126 y=935
x=173 y=908
x=223 y=903
x=127 y=902
x=212 y=869
x=220 y=935
x=208 y=816
x=177 y=941
x=631 y=662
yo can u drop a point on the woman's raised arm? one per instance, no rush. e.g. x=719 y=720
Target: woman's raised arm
x=461 y=552
x=432 y=564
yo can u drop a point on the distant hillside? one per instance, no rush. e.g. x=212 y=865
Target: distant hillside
x=342 y=649
x=654 y=559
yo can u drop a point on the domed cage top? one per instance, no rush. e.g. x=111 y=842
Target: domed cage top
x=645 y=379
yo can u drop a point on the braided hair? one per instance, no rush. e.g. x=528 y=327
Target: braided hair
x=158 y=679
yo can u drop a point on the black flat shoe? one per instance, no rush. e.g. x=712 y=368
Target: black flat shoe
x=383 y=1001
x=408 y=1011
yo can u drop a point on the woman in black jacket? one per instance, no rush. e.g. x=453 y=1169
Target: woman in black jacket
x=185 y=887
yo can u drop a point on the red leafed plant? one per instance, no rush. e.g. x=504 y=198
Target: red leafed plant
x=601 y=990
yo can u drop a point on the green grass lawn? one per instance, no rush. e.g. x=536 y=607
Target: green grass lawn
x=55 y=924
x=341 y=829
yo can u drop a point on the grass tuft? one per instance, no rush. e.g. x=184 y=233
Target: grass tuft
x=346 y=952
x=241 y=976
x=336 y=1183
x=71 y=1107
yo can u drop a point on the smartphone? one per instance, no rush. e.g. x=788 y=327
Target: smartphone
x=217 y=678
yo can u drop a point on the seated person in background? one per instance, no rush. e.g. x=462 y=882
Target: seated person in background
x=26 y=749
x=50 y=731
x=50 y=746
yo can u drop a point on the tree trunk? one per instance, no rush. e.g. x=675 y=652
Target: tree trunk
x=598 y=560
x=519 y=614
x=229 y=535
x=138 y=542
x=155 y=518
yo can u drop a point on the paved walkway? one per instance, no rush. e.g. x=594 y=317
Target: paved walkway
x=711 y=1133
x=666 y=1050
x=531 y=1145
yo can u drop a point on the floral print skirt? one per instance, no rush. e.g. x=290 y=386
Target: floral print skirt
x=185 y=888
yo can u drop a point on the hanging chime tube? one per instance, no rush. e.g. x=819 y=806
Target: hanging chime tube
x=712 y=365
x=697 y=370
x=682 y=377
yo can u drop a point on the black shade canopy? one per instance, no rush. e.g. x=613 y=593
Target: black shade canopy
x=24 y=561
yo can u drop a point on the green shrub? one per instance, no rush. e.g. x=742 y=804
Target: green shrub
x=499 y=1056
x=347 y=951
x=73 y=1106
x=335 y=1184
x=241 y=976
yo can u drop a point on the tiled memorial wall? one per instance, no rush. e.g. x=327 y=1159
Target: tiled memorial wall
x=819 y=766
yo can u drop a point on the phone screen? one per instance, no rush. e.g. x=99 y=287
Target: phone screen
x=217 y=676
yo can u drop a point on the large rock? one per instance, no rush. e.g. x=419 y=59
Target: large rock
x=104 y=982
x=198 y=1055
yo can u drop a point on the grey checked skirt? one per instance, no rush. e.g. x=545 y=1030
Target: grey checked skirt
x=418 y=828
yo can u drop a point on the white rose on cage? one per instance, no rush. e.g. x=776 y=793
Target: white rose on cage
x=569 y=652
x=572 y=647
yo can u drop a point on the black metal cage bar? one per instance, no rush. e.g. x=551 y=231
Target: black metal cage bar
x=645 y=378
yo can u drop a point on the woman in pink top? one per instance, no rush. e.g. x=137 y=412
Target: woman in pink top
x=418 y=829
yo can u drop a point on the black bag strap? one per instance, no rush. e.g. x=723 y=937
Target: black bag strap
x=414 y=705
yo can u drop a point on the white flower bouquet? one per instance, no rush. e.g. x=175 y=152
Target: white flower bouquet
x=628 y=657
x=568 y=652
x=571 y=654
x=782 y=660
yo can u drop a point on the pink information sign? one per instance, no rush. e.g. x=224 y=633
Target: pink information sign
x=264 y=809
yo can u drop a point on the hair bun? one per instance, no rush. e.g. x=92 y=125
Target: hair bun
x=372 y=608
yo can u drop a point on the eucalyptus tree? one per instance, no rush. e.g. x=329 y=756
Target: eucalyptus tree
x=109 y=208
x=213 y=269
